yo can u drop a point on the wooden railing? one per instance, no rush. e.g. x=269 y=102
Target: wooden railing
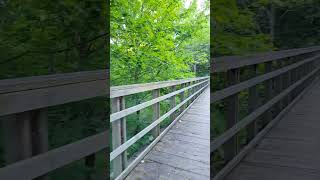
x=23 y=103
x=188 y=91
x=287 y=75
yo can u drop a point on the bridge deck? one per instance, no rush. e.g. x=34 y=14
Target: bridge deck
x=291 y=150
x=183 y=153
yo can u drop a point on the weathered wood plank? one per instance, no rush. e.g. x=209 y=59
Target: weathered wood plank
x=117 y=91
x=233 y=62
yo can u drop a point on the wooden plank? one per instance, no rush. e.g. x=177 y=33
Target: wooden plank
x=190 y=165
x=53 y=159
x=117 y=91
x=46 y=81
x=153 y=170
x=27 y=100
x=253 y=171
x=224 y=64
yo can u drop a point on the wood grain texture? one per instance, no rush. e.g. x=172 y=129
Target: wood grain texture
x=184 y=152
x=223 y=64
x=291 y=149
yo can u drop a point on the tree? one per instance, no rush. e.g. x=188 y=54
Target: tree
x=152 y=40
x=235 y=30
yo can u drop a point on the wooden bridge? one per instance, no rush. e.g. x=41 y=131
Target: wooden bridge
x=278 y=137
x=177 y=151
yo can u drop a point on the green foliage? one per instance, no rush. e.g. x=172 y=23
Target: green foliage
x=39 y=37
x=235 y=31
x=156 y=40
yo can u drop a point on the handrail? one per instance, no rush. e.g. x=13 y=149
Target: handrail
x=282 y=85
x=193 y=86
x=20 y=97
x=222 y=64
x=117 y=91
x=25 y=94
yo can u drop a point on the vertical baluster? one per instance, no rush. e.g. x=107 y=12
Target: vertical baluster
x=173 y=103
x=123 y=132
x=156 y=112
x=40 y=143
x=278 y=87
x=253 y=104
x=116 y=137
x=18 y=137
x=182 y=98
x=232 y=115
x=269 y=93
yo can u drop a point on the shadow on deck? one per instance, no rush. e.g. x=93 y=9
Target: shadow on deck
x=183 y=153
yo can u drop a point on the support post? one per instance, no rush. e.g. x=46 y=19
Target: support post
x=231 y=147
x=173 y=103
x=116 y=137
x=269 y=93
x=182 y=98
x=156 y=113
x=253 y=104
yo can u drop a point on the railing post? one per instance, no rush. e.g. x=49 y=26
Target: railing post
x=39 y=125
x=123 y=132
x=182 y=98
x=232 y=115
x=278 y=87
x=156 y=112
x=173 y=103
x=116 y=137
x=269 y=93
x=18 y=137
x=26 y=135
x=253 y=104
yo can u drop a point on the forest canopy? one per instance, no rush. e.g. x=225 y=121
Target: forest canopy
x=158 y=40
x=251 y=26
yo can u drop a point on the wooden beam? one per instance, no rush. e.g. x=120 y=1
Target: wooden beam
x=232 y=115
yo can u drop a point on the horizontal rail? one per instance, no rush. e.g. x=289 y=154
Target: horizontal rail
x=41 y=164
x=126 y=112
x=126 y=90
x=138 y=136
x=25 y=94
x=216 y=143
x=232 y=62
x=221 y=94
